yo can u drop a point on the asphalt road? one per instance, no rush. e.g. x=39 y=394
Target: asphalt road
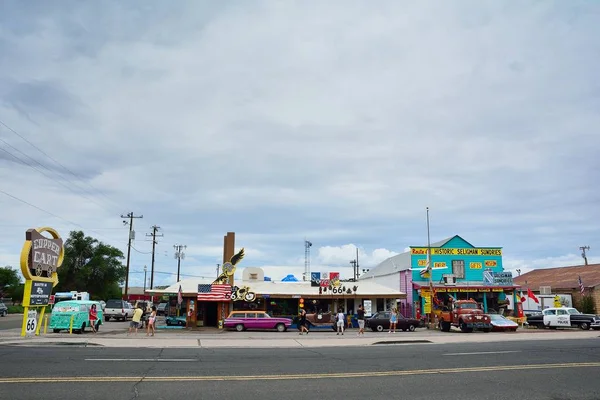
x=11 y=321
x=549 y=370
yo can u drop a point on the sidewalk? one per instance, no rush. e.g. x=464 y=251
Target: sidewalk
x=191 y=339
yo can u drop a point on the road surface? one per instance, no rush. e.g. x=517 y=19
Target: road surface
x=565 y=369
x=11 y=321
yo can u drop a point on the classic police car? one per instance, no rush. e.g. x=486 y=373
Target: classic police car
x=565 y=317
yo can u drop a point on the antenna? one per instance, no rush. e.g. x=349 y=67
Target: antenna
x=307 y=246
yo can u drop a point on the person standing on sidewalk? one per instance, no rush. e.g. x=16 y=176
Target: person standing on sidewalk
x=360 y=316
x=93 y=317
x=340 y=321
x=151 y=321
x=303 y=323
x=393 y=320
x=136 y=319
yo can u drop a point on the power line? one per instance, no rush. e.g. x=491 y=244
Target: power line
x=45 y=174
x=57 y=162
x=50 y=213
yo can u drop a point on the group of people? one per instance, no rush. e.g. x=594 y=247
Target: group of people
x=136 y=320
x=340 y=321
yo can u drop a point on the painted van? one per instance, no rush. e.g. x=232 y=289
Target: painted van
x=79 y=310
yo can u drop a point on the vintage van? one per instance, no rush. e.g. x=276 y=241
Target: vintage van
x=79 y=310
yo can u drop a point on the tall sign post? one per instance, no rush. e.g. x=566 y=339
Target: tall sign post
x=40 y=259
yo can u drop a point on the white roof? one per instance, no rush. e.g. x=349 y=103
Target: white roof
x=365 y=289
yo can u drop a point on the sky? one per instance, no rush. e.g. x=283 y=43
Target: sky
x=336 y=122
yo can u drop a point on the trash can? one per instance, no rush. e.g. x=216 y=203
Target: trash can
x=220 y=324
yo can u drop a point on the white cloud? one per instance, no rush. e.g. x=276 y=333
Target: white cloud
x=284 y=121
x=511 y=264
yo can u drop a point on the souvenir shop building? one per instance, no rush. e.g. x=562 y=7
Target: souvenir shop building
x=459 y=271
x=275 y=297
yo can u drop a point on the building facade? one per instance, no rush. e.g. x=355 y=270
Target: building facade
x=459 y=271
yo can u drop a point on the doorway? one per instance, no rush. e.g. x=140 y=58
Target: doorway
x=211 y=313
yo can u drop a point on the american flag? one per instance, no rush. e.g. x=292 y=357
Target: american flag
x=581 y=288
x=214 y=292
x=179 y=296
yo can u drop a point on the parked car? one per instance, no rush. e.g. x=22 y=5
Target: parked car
x=78 y=310
x=176 y=321
x=322 y=319
x=3 y=310
x=564 y=317
x=103 y=304
x=161 y=309
x=243 y=320
x=502 y=324
x=118 y=309
x=381 y=321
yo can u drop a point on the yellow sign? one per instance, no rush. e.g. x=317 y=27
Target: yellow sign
x=441 y=290
x=41 y=257
x=497 y=290
x=422 y=263
x=475 y=265
x=438 y=251
x=438 y=265
x=491 y=263
x=462 y=290
x=427 y=305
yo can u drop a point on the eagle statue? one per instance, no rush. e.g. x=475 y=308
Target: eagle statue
x=229 y=267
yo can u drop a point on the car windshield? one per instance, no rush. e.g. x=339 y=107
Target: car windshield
x=496 y=317
x=573 y=311
x=469 y=306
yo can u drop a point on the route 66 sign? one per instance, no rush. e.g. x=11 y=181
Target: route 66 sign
x=31 y=323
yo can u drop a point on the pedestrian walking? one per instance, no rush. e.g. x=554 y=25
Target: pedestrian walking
x=393 y=320
x=340 y=321
x=93 y=317
x=136 y=319
x=360 y=316
x=151 y=322
x=303 y=323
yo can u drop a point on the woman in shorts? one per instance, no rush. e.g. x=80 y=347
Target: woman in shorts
x=152 y=322
x=393 y=320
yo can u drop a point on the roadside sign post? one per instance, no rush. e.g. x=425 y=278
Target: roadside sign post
x=41 y=257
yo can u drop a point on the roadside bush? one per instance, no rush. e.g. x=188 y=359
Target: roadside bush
x=587 y=305
x=15 y=309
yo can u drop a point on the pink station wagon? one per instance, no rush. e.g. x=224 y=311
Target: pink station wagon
x=243 y=320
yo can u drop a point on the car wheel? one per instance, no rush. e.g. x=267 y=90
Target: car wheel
x=585 y=326
x=411 y=328
x=4 y=313
x=55 y=330
x=239 y=327
x=168 y=322
x=280 y=328
x=487 y=330
x=379 y=328
x=107 y=319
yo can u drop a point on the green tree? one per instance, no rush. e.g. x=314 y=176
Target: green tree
x=587 y=305
x=9 y=277
x=90 y=266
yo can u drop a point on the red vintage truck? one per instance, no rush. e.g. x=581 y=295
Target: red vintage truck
x=466 y=315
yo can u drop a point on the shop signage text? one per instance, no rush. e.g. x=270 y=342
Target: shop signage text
x=438 y=251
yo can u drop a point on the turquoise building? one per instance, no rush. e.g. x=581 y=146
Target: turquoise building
x=459 y=271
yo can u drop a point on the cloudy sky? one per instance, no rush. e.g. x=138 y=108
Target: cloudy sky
x=338 y=122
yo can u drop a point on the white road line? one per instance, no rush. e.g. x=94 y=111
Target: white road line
x=482 y=352
x=144 y=359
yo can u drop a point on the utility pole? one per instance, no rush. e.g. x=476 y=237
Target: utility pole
x=145 y=269
x=430 y=268
x=307 y=246
x=583 y=249
x=353 y=262
x=154 y=235
x=179 y=255
x=357 y=266
x=131 y=237
x=218 y=273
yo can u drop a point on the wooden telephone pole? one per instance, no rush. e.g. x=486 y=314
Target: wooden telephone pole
x=154 y=235
x=130 y=216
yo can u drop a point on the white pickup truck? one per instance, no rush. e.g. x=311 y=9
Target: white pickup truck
x=119 y=310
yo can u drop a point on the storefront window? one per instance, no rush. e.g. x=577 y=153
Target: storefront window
x=458 y=269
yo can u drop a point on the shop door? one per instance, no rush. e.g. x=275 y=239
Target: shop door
x=211 y=313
